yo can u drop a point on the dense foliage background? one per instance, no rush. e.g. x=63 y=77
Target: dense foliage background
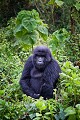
x=24 y=25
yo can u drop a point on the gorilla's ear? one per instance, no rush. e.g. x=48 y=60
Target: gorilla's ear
x=49 y=57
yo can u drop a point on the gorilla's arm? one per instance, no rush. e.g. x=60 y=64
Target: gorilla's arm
x=25 y=79
x=51 y=75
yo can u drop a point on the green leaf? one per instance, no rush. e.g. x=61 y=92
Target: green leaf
x=7 y=117
x=28 y=38
x=35 y=14
x=34 y=36
x=32 y=115
x=38 y=114
x=51 y=2
x=72 y=117
x=70 y=111
x=62 y=114
x=37 y=118
x=44 y=37
x=20 y=31
x=77 y=6
x=57 y=117
x=47 y=118
x=78 y=106
x=48 y=113
x=41 y=105
x=69 y=2
x=22 y=14
x=2 y=102
x=18 y=28
x=59 y=2
x=29 y=25
x=67 y=64
x=1 y=92
x=43 y=30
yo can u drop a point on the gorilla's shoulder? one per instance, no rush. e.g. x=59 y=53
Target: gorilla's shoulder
x=28 y=62
x=54 y=60
x=29 y=59
x=53 y=65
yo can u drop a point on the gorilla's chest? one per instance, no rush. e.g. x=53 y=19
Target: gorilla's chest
x=36 y=80
x=36 y=74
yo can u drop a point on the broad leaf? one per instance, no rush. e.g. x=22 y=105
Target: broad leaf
x=29 y=25
x=18 y=28
x=70 y=111
x=59 y=2
x=20 y=32
x=78 y=106
x=51 y=2
x=77 y=6
x=43 y=30
x=22 y=14
x=34 y=36
x=41 y=105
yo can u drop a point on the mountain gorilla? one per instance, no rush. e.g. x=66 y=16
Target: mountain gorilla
x=40 y=74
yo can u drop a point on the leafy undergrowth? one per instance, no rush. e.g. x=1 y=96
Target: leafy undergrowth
x=14 y=105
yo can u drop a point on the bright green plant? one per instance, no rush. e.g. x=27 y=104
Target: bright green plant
x=73 y=48
x=29 y=27
x=70 y=90
x=58 y=38
x=45 y=110
x=70 y=84
x=57 y=42
x=56 y=2
x=10 y=93
x=72 y=112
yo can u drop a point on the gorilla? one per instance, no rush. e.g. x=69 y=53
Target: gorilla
x=40 y=74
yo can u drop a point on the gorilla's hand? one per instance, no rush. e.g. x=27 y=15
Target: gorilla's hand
x=36 y=96
x=46 y=91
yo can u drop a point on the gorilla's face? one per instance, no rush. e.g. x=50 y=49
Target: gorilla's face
x=40 y=60
x=41 y=57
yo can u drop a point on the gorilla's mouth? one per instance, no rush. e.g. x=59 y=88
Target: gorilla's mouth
x=40 y=63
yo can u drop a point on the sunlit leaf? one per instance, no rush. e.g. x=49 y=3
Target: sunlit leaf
x=78 y=106
x=70 y=111
x=30 y=25
x=38 y=114
x=43 y=30
x=59 y=2
x=77 y=6
x=51 y=2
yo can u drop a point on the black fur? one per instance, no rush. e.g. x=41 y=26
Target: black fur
x=37 y=80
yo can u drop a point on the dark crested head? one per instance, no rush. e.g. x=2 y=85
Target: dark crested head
x=41 y=56
x=41 y=49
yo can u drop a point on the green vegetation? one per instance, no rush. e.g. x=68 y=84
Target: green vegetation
x=29 y=27
x=17 y=39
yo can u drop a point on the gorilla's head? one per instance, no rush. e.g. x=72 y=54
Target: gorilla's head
x=41 y=57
